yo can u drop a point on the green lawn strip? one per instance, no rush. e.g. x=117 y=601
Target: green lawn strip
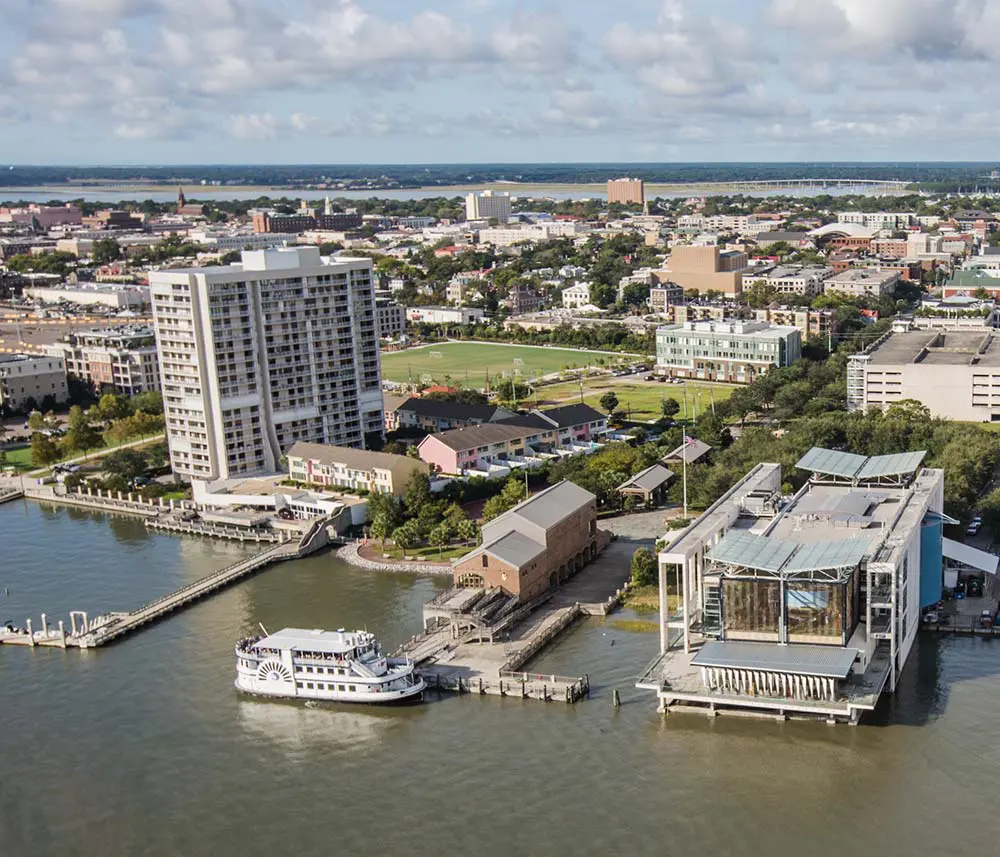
x=469 y=362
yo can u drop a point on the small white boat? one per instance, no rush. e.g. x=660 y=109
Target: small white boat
x=334 y=666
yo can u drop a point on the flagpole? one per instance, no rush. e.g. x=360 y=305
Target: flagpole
x=684 y=468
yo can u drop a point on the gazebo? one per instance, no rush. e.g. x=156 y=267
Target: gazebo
x=648 y=485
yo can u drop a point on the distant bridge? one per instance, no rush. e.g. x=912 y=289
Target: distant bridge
x=887 y=185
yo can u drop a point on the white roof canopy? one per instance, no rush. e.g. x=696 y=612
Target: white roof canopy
x=970 y=556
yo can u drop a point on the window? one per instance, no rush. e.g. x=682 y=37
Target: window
x=486 y=561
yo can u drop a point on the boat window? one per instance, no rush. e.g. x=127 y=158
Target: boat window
x=340 y=687
x=351 y=688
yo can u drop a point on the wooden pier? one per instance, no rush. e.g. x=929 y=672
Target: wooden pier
x=86 y=634
x=519 y=685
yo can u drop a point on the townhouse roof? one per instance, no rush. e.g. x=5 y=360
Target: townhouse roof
x=359 y=459
x=469 y=437
x=438 y=409
x=649 y=479
x=566 y=416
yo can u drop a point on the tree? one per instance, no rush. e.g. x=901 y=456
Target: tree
x=113 y=407
x=43 y=451
x=440 y=536
x=609 y=401
x=106 y=250
x=406 y=536
x=36 y=422
x=380 y=527
x=80 y=433
x=468 y=530
x=150 y=402
x=670 y=408
x=126 y=463
x=643 y=567
x=417 y=493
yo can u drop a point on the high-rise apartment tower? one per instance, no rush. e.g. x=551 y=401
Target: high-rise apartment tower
x=255 y=356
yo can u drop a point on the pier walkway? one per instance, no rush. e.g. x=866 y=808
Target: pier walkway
x=86 y=634
x=8 y=494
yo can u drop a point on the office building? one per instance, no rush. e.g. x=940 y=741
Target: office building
x=877 y=219
x=256 y=356
x=859 y=282
x=356 y=469
x=733 y=351
x=535 y=546
x=806 y=605
x=488 y=205
x=626 y=191
x=123 y=359
x=29 y=381
x=956 y=374
x=707 y=269
x=805 y=280
x=303 y=220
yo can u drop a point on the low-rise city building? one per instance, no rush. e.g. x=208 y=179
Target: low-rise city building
x=734 y=351
x=357 y=469
x=806 y=605
x=444 y=314
x=30 y=381
x=576 y=296
x=434 y=415
x=535 y=546
x=805 y=280
x=707 y=269
x=861 y=282
x=664 y=295
x=955 y=373
x=115 y=296
x=509 y=442
x=123 y=359
x=390 y=318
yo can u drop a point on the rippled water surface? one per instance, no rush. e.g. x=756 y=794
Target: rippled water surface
x=144 y=748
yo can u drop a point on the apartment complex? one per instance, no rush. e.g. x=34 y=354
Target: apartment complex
x=808 y=605
x=304 y=220
x=735 y=351
x=535 y=546
x=877 y=219
x=28 y=380
x=707 y=269
x=346 y=467
x=514 y=440
x=626 y=191
x=123 y=359
x=956 y=374
x=390 y=318
x=488 y=205
x=256 y=356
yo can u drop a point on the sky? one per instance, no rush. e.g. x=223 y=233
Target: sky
x=442 y=81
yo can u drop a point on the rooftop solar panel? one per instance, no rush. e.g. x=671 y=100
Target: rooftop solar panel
x=816 y=556
x=831 y=462
x=891 y=465
x=750 y=551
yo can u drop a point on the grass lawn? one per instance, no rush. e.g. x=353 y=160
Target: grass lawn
x=19 y=459
x=430 y=554
x=468 y=362
x=639 y=398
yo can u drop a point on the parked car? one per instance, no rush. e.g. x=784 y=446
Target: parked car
x=972 y=529
x=931 y=617
x=975 y=589
x=986 y=619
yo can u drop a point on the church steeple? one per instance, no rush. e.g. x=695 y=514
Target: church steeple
x=181 y=199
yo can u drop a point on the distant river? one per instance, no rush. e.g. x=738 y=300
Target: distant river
x=220 y=193
x=144 y=748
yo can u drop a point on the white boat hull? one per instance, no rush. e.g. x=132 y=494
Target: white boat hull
x=280 y=690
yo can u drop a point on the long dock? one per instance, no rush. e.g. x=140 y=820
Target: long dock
x=8 y=494
x=86 y=634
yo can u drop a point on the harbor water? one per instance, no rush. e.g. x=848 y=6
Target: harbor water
x=145 y=748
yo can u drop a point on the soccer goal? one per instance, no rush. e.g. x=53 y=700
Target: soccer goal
x=435 y=355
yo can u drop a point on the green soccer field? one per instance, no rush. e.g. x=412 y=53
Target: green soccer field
x=468 y=362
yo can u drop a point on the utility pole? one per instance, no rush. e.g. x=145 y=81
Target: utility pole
x=711 y=392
